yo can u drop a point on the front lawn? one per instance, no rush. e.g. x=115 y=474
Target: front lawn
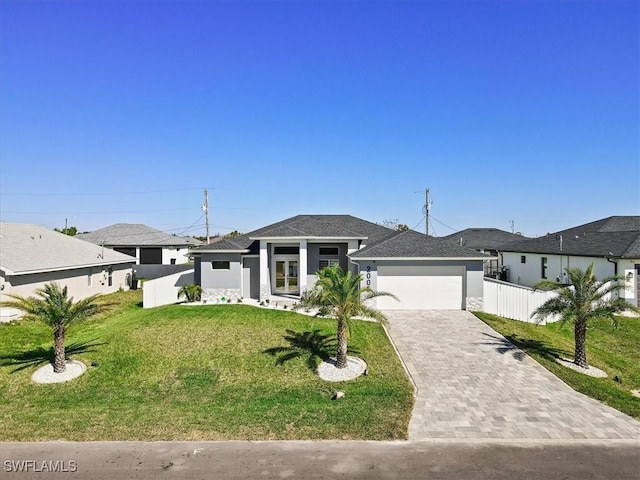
x=614 y=350
x=207 y=372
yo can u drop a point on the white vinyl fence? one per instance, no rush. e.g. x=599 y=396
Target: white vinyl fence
x=514 y=301
x=164 y=290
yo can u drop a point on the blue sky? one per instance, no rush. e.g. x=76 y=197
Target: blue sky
x=124 y=111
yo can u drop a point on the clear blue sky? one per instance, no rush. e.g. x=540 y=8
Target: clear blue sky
x=123 y=111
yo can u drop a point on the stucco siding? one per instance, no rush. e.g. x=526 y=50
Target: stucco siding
x=76 y=280
x=230 y=278
x=251 y=277
x=179 y=254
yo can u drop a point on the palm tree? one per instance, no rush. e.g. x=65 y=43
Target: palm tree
x=340 y=294
x=583 y=300
x=193 y=293
x=53 y=307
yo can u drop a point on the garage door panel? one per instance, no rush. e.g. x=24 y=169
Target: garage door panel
x=421 y=288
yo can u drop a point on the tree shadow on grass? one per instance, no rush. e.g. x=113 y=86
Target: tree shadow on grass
x=315 y=346
x=40 y=356
x=519 y=347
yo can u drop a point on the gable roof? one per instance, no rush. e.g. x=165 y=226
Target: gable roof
x=483 y=238
x=413 y=245
x=613 y=237
x=301 y=227
x=26 y=248
x=135 y=235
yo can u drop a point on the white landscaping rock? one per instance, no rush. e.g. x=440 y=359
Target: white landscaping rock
x=46 y=374
x=355 y=367
x=591 y=371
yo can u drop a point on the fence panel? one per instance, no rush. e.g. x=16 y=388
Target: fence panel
x=164 y=290
x=514 y=301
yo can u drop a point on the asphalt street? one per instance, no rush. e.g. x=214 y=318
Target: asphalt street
x=435 y=459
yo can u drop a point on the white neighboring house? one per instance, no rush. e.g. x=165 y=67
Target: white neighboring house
x=612 y=244
x=32 y=256
x=148 y=245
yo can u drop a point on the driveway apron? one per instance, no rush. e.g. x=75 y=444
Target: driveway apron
x=473 y=383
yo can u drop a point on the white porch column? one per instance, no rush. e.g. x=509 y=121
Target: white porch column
x=352 y=246
x=265 y=292
x=138 y=255
x=302 y=269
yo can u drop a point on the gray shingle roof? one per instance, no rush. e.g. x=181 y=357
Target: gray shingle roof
x=411 y=244
x=483 y=238
x=304 y=226
x=617 y=236
x=135 y=235
x=26 y=248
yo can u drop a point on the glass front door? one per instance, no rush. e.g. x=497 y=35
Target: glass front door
x=286 y=277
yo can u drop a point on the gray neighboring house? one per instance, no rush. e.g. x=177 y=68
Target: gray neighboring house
x=282 y=259
x=612 y=244
x=148 y=245
x=486 y=240
x=31 y=256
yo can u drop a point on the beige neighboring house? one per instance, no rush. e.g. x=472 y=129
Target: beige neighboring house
x=31 y=256
x=148 y=245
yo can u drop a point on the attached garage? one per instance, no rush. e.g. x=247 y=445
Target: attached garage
x=421 y=287
x=425 y=273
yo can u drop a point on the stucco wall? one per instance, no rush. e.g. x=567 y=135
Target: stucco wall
x=217 y=279
x=313 y=259
x=76 y=280
x=251 y=277
x=177 y=253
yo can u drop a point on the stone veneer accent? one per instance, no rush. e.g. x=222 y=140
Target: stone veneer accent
x=264 y=293
x=215 y=295
x=475 y=304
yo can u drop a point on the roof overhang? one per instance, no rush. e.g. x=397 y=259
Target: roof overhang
x=355 y=259
x=200 y=251
x=309 y=237
x=70 y=267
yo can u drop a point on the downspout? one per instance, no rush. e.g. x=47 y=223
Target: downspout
x=615 y=265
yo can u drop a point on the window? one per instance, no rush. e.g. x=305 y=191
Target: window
x=523 y=259
x=328 y=263
x=173 y=261
x=221 y=265
x=286 y=250
x=333 y=251
x=543 y=267
x=110 y=277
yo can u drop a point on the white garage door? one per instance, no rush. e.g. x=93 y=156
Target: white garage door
x=419 y=287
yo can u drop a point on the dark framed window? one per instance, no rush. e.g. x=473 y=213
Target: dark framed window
x=110 y=277
x=286 y=250
x=523 y=259
x=173 y=261
x=333 y=251
x=329 y=262
x=221 y=265
x=543 y=267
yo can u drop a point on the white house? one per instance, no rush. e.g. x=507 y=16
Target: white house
x=31 y=256
x=148 y=245
x=612 y=244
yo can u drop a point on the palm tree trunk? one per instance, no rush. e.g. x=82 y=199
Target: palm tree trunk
x=59 y=361
x=341 y=357
x=580 y=335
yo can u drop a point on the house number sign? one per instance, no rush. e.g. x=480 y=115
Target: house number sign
x=368 y=276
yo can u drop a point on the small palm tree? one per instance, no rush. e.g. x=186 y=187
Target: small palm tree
x=340 y=294
x=193 y=293
x=582 y=301
x=53 y=307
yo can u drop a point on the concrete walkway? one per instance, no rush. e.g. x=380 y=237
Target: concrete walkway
x=473 y=383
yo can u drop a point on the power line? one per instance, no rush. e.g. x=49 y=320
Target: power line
x=88 y=194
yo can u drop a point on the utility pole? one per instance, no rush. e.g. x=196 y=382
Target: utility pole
x=205 y=209
x=427 y=207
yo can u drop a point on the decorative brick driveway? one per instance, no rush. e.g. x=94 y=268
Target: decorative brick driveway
x=473 y=383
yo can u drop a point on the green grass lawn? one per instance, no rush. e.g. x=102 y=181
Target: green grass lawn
x=189 y=373
x=614 y=350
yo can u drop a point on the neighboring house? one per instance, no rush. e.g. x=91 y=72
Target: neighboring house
x=283 y=258
x=612 y=244
x=31 y=256
x=485 y=240
x=148 y=245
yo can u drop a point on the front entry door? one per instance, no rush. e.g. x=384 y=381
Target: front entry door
x=286 y=274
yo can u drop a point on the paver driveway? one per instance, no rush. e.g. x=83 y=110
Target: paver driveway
x=473 y=383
